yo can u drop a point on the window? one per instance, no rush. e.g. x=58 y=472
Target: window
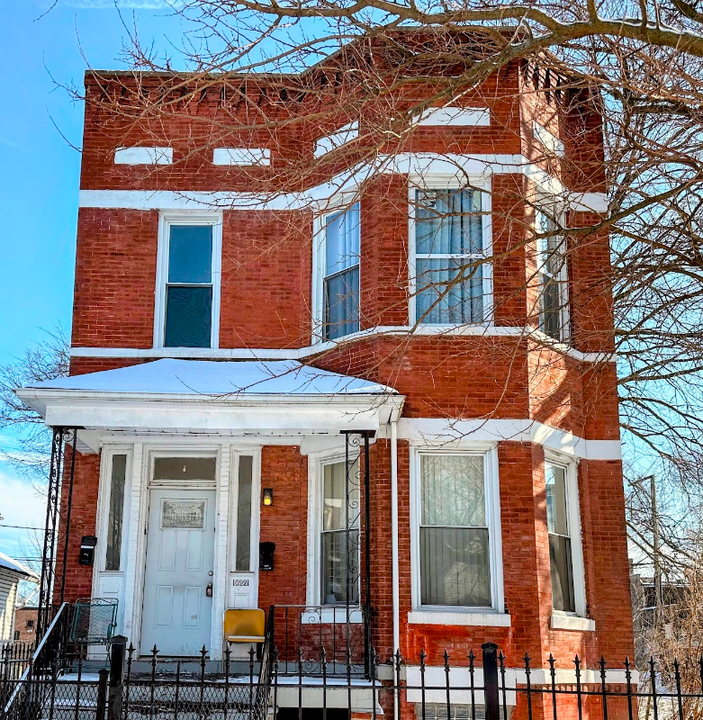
x=118 y=475
x=189 y=276
x=341 y=274
x=243 y=555
x=553 y=281
x=450 y=267
x=339 y=539
x=564 y=540
x=17 y=635
x=30 y=624
x=456 y=547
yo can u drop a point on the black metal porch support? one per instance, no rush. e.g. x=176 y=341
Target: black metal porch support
x=354 y=439
x=60 y=437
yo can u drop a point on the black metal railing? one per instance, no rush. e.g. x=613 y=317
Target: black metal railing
x=302 y=632
x=486 y=686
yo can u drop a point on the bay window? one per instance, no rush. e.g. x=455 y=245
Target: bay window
x=450 y=271
x=553 y=278
x=563 y=526
x=340 y=284
x=457 y=541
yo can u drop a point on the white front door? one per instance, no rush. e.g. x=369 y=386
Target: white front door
x=177 y=609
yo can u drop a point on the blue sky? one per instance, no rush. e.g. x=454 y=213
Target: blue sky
x=39 y=180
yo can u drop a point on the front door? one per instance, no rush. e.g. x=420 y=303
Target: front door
x=177 y=609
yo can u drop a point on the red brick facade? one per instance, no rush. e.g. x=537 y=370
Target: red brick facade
x=266 y=304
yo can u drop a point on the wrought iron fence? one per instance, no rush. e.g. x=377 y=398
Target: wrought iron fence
x=488 y=686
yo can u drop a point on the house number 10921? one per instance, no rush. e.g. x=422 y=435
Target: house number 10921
x=241 y=583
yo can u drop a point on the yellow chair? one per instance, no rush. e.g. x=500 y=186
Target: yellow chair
x=245 y=626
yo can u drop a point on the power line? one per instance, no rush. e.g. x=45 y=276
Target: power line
x=21 y=527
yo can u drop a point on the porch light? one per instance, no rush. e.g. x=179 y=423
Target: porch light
x=268 y=496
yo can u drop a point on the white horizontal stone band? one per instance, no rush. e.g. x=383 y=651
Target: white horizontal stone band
x=322 y=197
x=320 y=347
x=459 y=116
x=478 y=619
x=458 y=434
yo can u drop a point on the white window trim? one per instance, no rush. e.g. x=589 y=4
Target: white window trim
x=451 y=182
x=103 y=510
x=319 y=262
x=187 y=218
x=574 y=520
x=489 y=452
x=330 y=613
x=562 y=279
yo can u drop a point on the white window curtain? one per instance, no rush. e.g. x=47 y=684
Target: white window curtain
x=340 y=535
x=560 y=551
x=449 y=256
x=454 y=536
x=341 y=274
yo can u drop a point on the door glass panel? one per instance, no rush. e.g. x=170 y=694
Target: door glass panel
x=115 y=517
x=243 y=561
x=183 y=514
x=184 y=468
x=190 y=254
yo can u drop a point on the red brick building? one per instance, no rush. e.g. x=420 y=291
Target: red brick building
x=253 y=302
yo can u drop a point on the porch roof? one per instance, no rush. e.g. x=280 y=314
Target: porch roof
x=233 y=398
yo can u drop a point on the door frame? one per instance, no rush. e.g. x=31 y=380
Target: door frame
x=135 y=535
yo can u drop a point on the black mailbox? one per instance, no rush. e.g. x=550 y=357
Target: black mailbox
x=266 y=550
x=86 y=555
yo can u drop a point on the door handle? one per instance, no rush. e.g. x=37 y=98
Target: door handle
x=208 y=590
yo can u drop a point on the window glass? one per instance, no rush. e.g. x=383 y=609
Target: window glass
x=188 y=316
x=340 y=534
x=552 y=269
x=243 y=561
x=449 y=259
x=190 y=254
x=189 y=287
x=341 y=275
x=118 y=476
x=560 y=553
x=454 y=538
x=184 y=468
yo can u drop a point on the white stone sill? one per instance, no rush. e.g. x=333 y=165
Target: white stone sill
x=434 y=617
x=572 y=622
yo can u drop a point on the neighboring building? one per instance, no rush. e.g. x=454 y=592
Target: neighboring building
x=221 y=354
x=25 y=624
x=11 y=574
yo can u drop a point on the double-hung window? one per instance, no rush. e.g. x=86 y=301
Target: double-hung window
x=340 y=284
x=553 y=278
x=339 y=537
x=564 y=542
x=450 y=261
x=189 y=296
x=456 y=543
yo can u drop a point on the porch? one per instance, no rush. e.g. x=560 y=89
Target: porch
x=196 y=495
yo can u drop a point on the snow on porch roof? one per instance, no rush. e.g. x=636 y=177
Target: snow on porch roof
x=7 y=563
x=219 y=378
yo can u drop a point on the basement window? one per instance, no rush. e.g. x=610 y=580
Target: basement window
x=189 y=282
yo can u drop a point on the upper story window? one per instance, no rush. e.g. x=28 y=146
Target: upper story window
x=563 y=526
x=340 y=285
x=189 y=283
x=553 y=278
x=457 y=537
x=451 y=275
